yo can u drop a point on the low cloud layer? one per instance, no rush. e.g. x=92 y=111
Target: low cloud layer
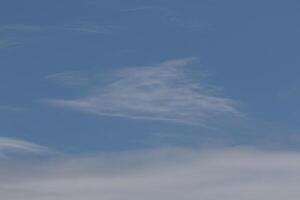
x=233 y=174
x=158 y=92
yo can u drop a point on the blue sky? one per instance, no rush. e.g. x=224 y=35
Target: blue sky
x=247 y=51
x=92 y=77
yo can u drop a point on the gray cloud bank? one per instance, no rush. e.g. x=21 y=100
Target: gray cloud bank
x=233 y=174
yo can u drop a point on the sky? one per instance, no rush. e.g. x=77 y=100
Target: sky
x=126 y=99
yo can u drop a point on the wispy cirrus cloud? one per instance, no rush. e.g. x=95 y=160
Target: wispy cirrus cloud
x=6 y=108
x=157 y=92
x=7 y=43
x=82 y=26
x=72 y=78
x=90 y=28
x=17 y=34
x=172 y=17
x=12 y=145
x=175 y=174
x=76 y=78
x=19 y=28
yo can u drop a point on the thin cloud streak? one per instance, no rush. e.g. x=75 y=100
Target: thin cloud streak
x=175 y=174
x=157 y=92
x=84 y=27
x=17 y=34
x=172 y=17
x=90 y=28
x=71 y=78
x=5 y=108
x=12 y=145
x=7 y=43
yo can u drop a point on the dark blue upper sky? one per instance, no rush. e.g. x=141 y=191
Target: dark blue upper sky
x=73 y=75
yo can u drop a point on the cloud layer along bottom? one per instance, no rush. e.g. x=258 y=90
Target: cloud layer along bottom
x=233 y=174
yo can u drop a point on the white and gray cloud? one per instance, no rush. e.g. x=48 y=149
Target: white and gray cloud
x=233 y=174
x=158 y=92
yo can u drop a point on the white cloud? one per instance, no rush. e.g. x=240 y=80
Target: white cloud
x=233 y=174
x=12 y=145
x=159 y=92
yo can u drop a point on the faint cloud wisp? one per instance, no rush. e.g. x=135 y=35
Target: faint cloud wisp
x=5 y=108
x=72 y=78
x=11 y=146
x=16 y=34
x=157 y=92
x=172 y=17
